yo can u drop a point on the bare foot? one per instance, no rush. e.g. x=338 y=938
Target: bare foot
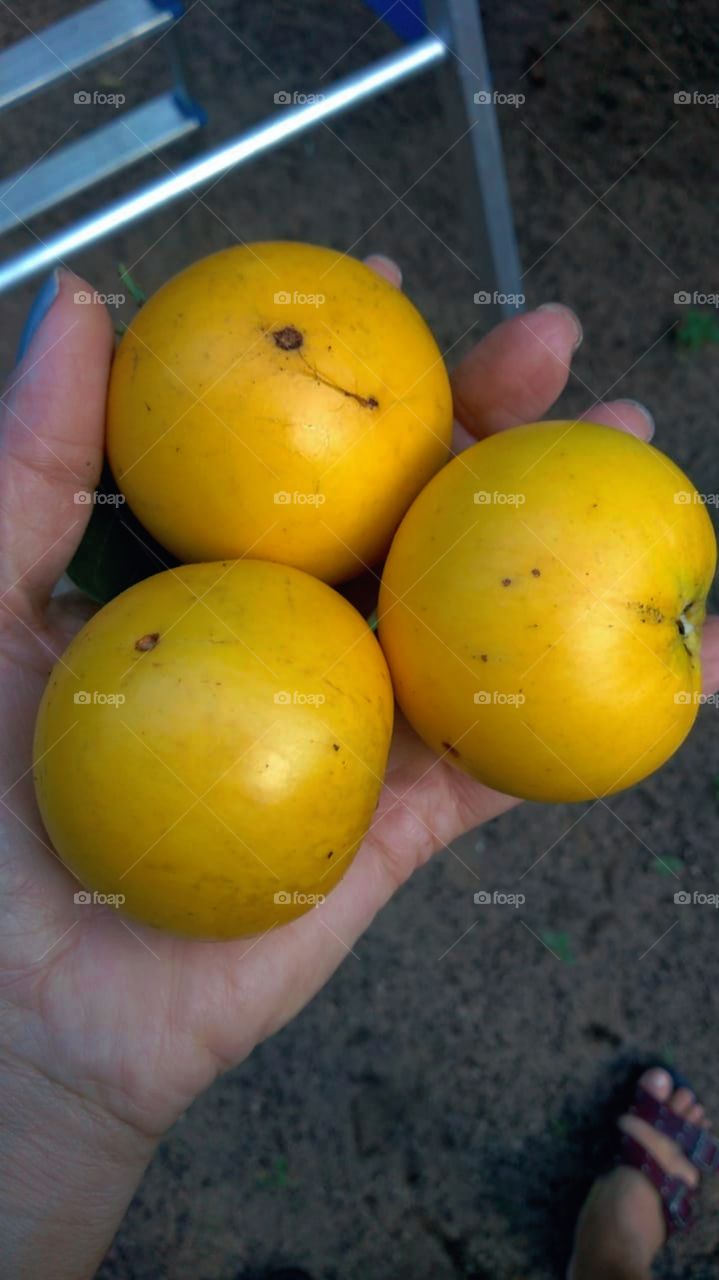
x=621 y=1227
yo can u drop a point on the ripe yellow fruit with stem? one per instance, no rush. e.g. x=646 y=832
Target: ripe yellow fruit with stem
x=541 y=610
x=277 y=400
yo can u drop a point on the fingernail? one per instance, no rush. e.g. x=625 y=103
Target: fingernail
x=388 y=262
x=39 y=309
x=642 y=408
x=559 y=306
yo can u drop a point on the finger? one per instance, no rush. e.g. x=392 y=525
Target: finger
x=386 y=267
x=51 y=432
x=517 y=372
x=627 y=415
x=710 y=655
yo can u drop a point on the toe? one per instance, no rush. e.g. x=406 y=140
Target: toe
x=658 y=1082
x=682 y=1101
x=660 y=1085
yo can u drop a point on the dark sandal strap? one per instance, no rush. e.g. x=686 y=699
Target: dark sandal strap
x=697 y=1144
x=678 y=1199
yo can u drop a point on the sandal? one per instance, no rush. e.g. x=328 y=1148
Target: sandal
x=677 y=1197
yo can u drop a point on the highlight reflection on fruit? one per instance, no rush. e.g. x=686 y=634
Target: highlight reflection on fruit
x=541 y=610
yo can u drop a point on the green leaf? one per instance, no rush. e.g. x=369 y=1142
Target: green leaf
x=116 y=551
x=278 y=1177
x=560 y=944
x=697 y=329
x=668 y=865
x=133 y=288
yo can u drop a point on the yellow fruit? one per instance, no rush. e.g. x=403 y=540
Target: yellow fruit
x=541 y=610
x=212 y=744
x=277 y=400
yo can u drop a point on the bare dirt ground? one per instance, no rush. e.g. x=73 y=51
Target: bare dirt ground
x=431 y=1114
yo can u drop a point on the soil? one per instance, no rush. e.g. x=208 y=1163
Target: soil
x=436 y=1112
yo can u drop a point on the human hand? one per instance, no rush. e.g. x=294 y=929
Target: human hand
x=111 y=1025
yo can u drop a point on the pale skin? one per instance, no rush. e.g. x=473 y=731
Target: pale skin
x=108 y=1035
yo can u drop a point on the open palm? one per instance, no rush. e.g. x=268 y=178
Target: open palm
x=134 y=1021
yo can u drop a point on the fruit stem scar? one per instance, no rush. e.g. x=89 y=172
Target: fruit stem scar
x=147 y=642
x=288 y=339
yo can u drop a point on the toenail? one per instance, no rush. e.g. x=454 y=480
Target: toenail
x=658 y=1079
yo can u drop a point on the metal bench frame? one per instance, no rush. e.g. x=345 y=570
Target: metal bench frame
x=453 y=46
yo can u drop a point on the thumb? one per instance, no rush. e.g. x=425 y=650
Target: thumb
x=51 y=433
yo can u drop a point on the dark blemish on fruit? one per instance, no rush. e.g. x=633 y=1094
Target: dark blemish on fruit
x=331 y=853
x=483 y=657
x=452 y=750
x=147 y=642
x=647 y=612
x=594 y=504
x=289 y=338
x=536 y=573
x=335 y=746
x=147 y=406
x=506 y=582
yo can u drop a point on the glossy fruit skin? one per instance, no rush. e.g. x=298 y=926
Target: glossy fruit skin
x=223 y=778
x=240 y=424
x=534 y=640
